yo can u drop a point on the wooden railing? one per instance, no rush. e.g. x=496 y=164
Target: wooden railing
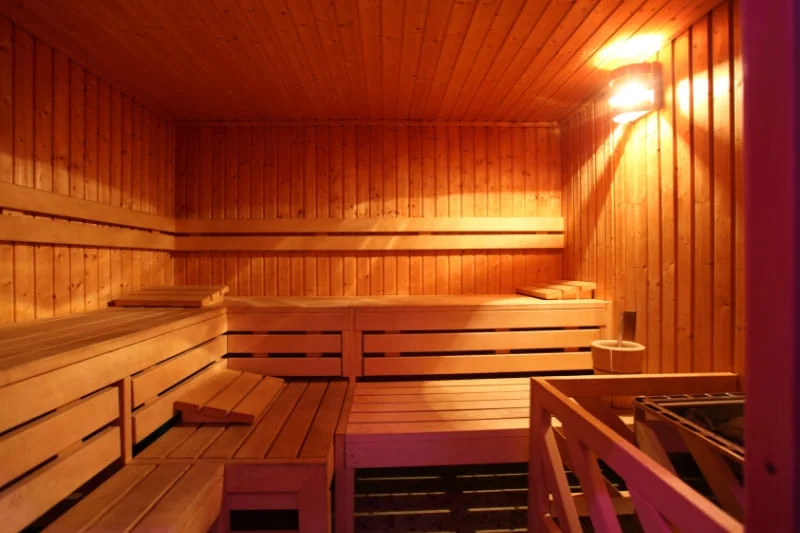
x=663 y=502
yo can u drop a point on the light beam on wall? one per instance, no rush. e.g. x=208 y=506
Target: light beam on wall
x=634 y=91
x=634 y=49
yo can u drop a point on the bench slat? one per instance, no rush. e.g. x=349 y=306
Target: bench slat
x=34 y=443
x=285 y=343
x=288 y=366
x=254 y=320
x=478 y=341
x=294 y=432
x=159 y=378
x=410 y=429
x=266 y=430
x=563 y=314
x=370 y=387
x=222 y=404
x=393 y=390
x=97 y=502
x=433 y=416
x=205 y=514
x=227 y=444
x=476 y=364
x=153 y=415
x=204 y=390
x=441 y=397
x=19 y=334
x=166 y=443
x=177 y=508
x=320 y=436
x=260 y=398
x=441 y=406
x=136 y=503
x=197 y=442
x=55 y=481
x=90 y=335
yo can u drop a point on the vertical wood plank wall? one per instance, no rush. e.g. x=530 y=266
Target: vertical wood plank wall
x=64 y=130
x=654 y=209
x=361 y=171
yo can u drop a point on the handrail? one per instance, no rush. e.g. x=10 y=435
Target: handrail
x=661 y=499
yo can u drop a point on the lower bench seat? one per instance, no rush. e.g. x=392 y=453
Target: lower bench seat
x=284 y=461
x=148 y=498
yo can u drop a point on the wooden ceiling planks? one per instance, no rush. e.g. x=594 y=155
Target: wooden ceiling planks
x=437 y=60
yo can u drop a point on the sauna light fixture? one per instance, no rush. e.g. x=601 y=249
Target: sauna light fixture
x=635 y=90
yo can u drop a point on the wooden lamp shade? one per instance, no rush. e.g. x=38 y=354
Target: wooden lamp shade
x=634 y=91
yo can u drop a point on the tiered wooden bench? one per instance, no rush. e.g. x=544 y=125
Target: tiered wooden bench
x=412 y=335
x=291 y=336
x=103 y=382
x=438 y=335
x=65 y=411
x=147 y=498
x=433 y=423
x=282 y=461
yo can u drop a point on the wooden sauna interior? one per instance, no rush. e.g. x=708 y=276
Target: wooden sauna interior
x=377 y=148
x=465 y=110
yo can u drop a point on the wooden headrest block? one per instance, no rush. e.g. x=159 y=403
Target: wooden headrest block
x=228 y=397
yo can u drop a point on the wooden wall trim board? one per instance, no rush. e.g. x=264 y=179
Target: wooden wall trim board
x=461 y=225
x=488 y=233
x=362 y=243
x=378 y=123
x=42 y=202
x=40 y=231
x=654 y=209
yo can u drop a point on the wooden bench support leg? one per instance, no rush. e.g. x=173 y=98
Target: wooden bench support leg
x=314 y=504
x=224 y=520
x=345 y=483
x=125 y=419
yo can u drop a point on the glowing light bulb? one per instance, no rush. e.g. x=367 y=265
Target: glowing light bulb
x=632 y=93
x=635 y=90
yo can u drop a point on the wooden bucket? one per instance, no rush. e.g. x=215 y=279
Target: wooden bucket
x=608 y=357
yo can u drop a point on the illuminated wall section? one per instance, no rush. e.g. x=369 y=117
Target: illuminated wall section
x=654 y=208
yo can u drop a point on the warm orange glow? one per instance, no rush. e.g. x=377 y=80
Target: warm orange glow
x=697 y=92
x=683 y=96
x=635 y=90
x=629 y=116
x=635 y=49
x=632 y=93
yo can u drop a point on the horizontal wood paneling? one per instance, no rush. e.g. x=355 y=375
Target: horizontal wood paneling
x=517 y=60
x=262 y=172
x=67 y=132
x=654 y=210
